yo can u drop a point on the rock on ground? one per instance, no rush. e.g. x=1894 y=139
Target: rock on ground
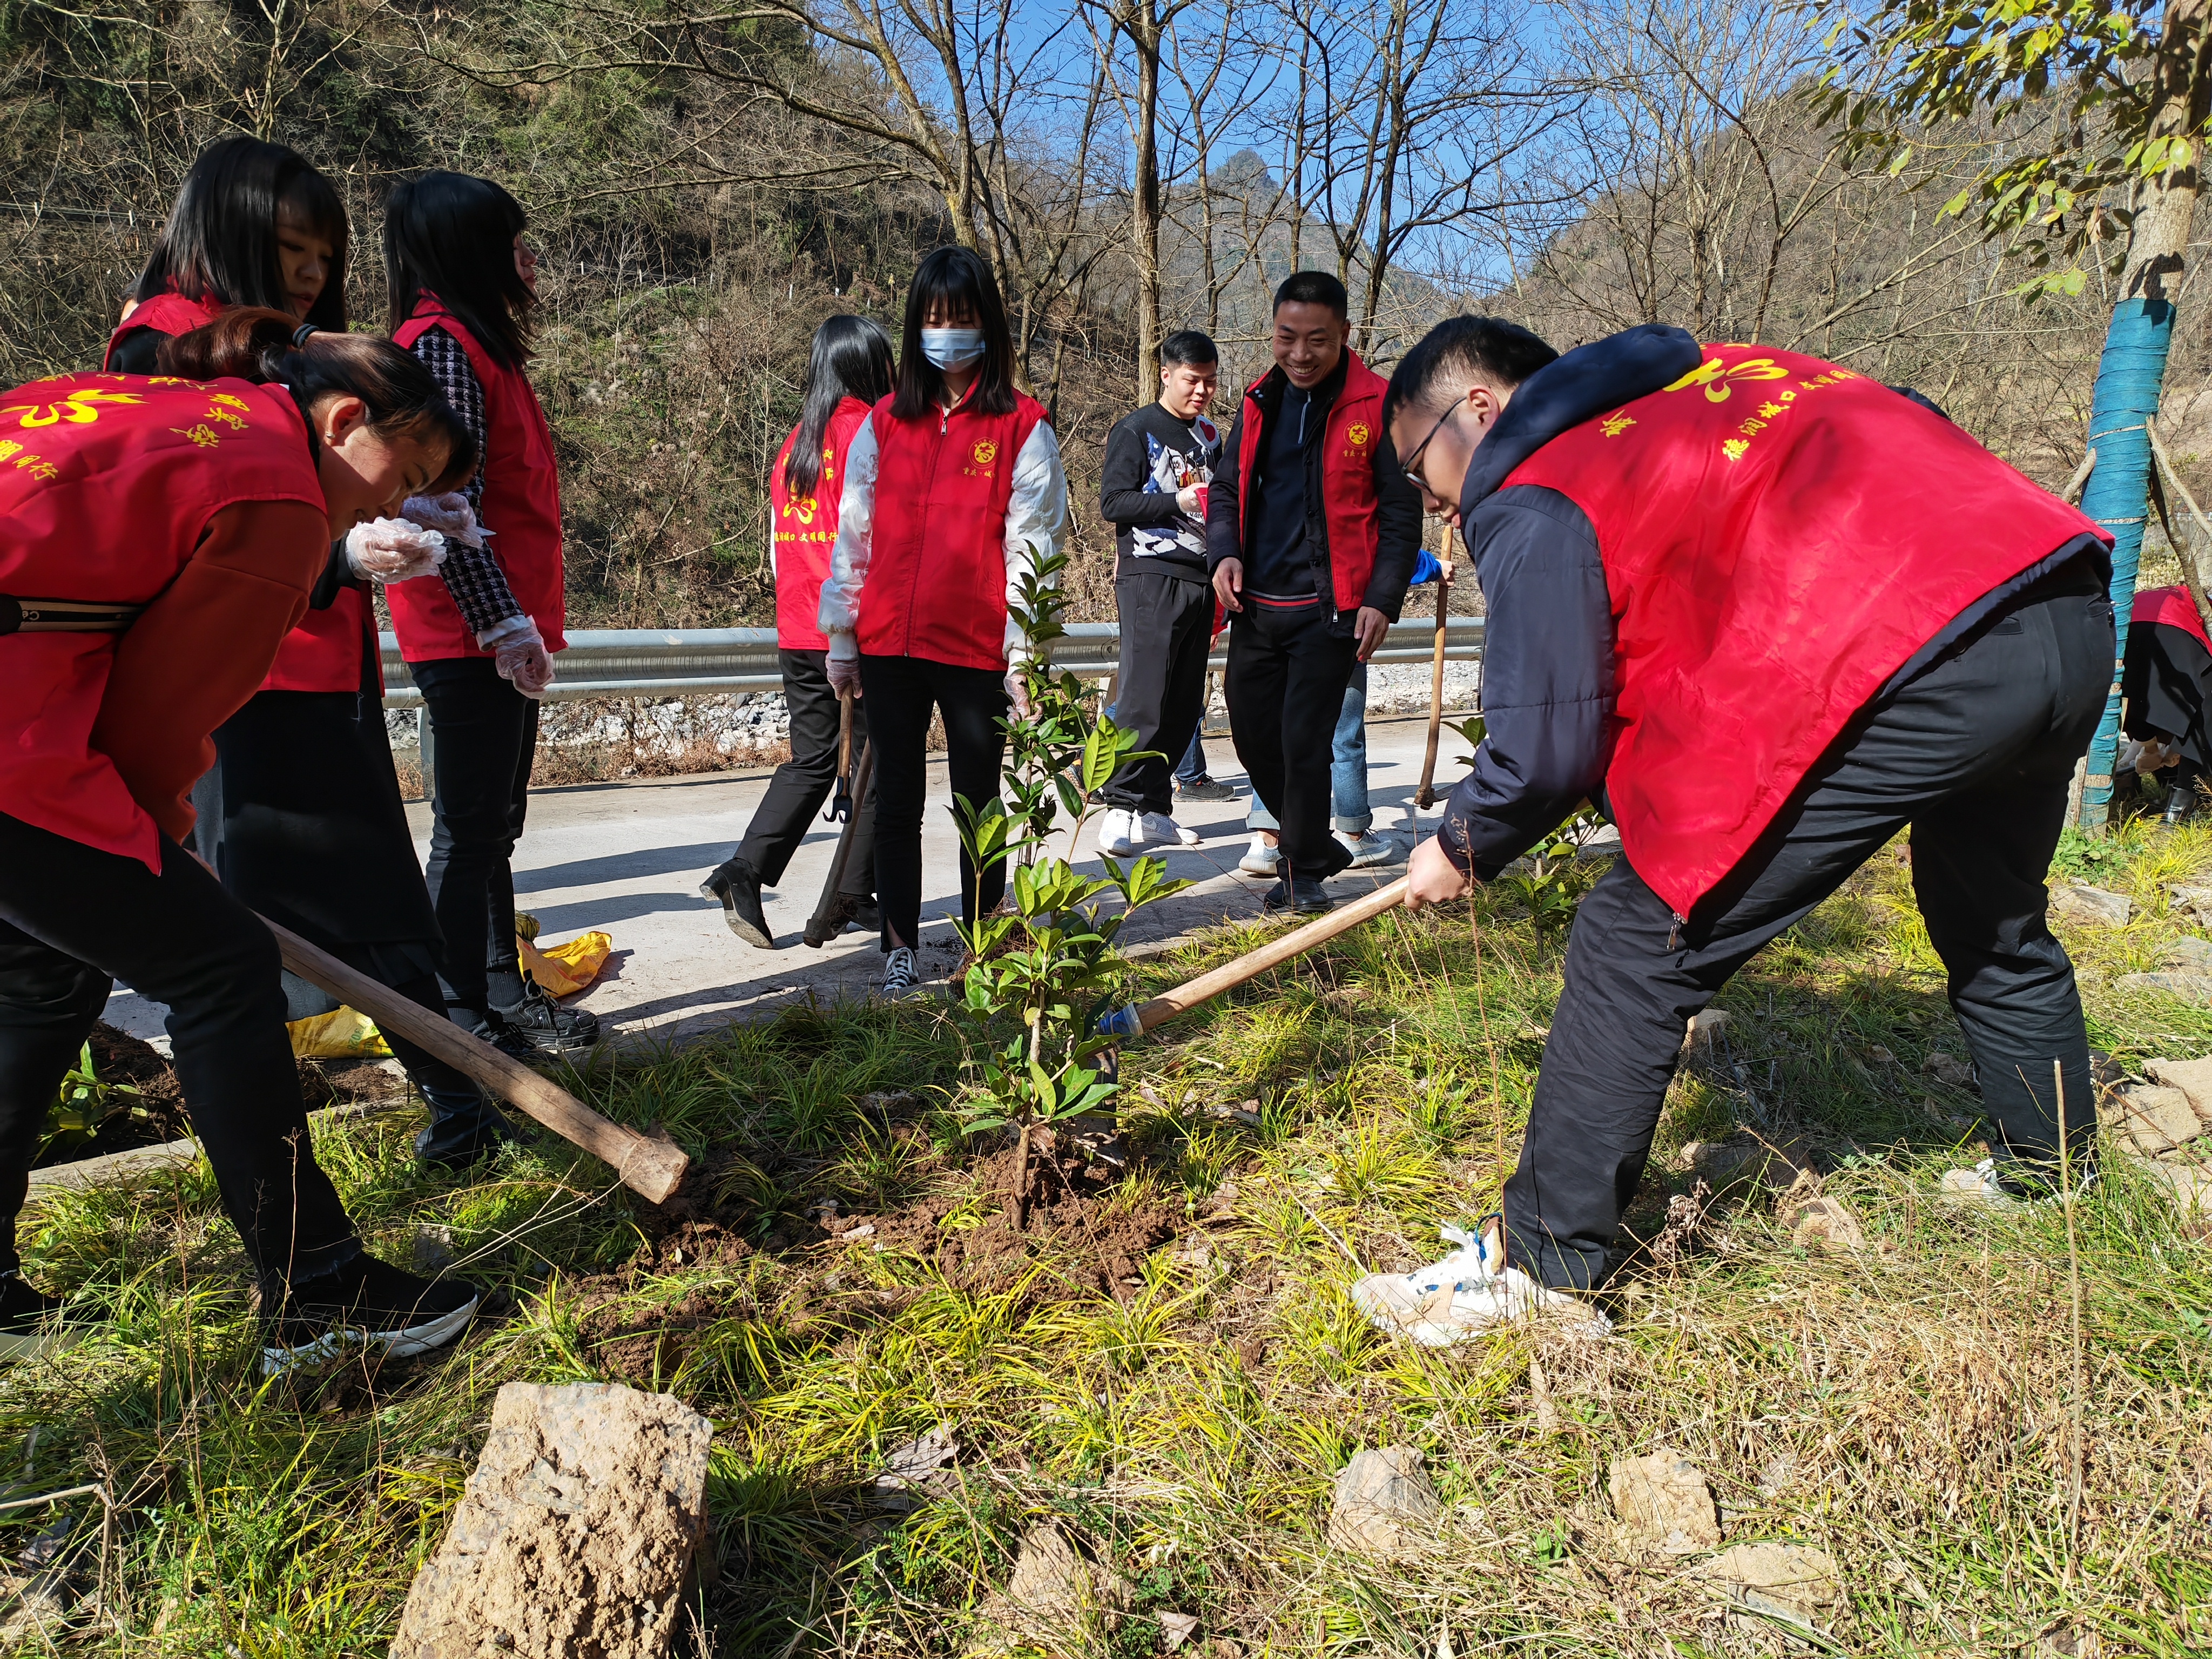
x=2093 y=904
x=1948 y=1069
x=1059 y=1588
x=2153 y=1120
x=2196 y=902
x=1821 y=1223
x=2191 y=1188
x=577 y=1533
x=1384 y=1502
x=2188 y=952
x=2194 y=989
x=1788 y=1581
x=1664 y=1501
x=2192 y=1076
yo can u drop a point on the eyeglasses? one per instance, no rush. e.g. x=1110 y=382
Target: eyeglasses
x=1413 y=458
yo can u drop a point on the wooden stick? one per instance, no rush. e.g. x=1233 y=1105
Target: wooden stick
x=1188 y=996
x=820 y=927
x=1425 y=796
x=844 y=736
x=651 y=1168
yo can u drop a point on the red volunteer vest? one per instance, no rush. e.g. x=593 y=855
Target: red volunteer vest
x=806 y=529
x=937 y=567
x=106 y=485
x=1347 y=476
x=521 y=509
x=2171 y=606
x=324 y=652
x=1779 y=536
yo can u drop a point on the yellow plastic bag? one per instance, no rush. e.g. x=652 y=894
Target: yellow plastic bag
x=563 y=969
x=342 y=1034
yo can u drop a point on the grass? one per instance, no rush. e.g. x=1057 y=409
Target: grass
x=1909 y=1411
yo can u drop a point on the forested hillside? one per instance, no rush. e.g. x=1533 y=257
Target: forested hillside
x=708 y=183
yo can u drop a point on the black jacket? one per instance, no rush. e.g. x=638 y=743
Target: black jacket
x=1145 y=452
x=1397 y=509
x=1548 y=651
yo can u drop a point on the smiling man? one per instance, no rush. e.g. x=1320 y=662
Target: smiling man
x=1311 y=533
x=1766 y=613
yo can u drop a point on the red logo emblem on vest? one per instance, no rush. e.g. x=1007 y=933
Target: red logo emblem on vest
x=1356 y=434
x=984 y=453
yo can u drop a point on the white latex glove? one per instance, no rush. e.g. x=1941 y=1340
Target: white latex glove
x=844 y=673
x=450 y=513
x=1191 y=499
x=1017 y=689
x=393 y=550
x=519 y=654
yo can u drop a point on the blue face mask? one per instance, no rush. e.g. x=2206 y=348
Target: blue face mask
x=952 y=348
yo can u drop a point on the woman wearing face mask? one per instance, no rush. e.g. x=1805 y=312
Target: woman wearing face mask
x=463 y=284
x=953 y=490
x=300 y=814
x=157 y=542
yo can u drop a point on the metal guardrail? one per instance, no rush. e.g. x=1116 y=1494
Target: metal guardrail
x=648 y=662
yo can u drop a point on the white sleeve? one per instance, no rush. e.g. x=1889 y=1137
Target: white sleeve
x=1036 y=520
x=849 y=554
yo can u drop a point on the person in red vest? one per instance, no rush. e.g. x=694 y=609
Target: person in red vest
x=158 y=540
x=253 y=225
x=300 y=814
x=1766 y=613
x=1311 y=533
x=464 y=285
x=850 y=369
x=2165 y=683
x=953 y=492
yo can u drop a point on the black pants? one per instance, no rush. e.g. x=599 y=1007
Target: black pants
x=1167 y=626
x=802 y=783
x=72 y=919
x=2165 y=683
x=1975 y=755
x=900 y=691
x=484 y=736
x=1287 y=677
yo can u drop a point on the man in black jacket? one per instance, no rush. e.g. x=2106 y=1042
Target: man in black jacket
x=1152 y=490
x=1311 y=533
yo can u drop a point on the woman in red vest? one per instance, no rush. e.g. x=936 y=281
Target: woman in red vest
x=850 y=369
x=254 y=225
x=2167 y=686
x=300 y=814
x=463 y=284
x=158 y=540
x=953 y=490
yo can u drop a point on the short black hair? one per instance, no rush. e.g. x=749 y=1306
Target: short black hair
x=1314 y=288
x=451 y=234
x=1189 y=345
x=1459 y=350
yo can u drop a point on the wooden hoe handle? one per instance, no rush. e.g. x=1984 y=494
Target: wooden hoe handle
x=653 y=1168
x=1207 y=986
x=1425 y=796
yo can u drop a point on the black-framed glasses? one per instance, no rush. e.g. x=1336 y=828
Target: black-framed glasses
x=1413 y=460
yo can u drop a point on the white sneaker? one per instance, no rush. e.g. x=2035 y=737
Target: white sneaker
x=899 y=975
x=1466 y=1295
x=1369 y=849
x=1983 y=1187
x=1122 y=832
x=1261 y=857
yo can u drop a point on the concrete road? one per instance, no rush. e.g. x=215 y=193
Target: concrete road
x=628 y=858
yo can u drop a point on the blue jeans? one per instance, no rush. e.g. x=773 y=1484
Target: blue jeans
x=1191 y=769
x=1348 y=767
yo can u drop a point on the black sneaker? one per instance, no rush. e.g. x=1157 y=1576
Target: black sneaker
x=1205 y=789
x=30 y=1320
x=505 y=1036
x=1304 y=894
x=547 y=1026
x=366 y=1304
x=738 y=885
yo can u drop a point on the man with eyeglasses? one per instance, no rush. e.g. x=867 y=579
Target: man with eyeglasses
x=1311 y=533
x=1766 y=613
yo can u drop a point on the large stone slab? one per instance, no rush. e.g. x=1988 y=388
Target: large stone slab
x=2092 y=904
x=1665 y=1502
x=576 y=1536
x=2153 y=1120
x=1384 y=1503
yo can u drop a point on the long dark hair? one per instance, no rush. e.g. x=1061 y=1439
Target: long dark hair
x=852 y=358
x=220 y=244
x=955 y=274
x=250 y=344
x=452 y=234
